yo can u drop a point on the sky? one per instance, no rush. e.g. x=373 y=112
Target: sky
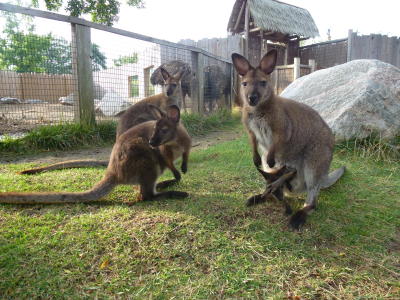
x=196 y=19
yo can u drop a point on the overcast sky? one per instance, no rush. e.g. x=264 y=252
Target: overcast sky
x=195 y=19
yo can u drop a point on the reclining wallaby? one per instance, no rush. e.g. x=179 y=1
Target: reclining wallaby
x=140 y=112
x=134 y=159
x=287 y=133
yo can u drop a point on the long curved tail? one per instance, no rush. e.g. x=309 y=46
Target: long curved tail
x=333 y=177
x=67 y=165
x=101 y=189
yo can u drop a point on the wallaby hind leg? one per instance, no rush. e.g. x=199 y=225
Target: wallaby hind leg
x=169 y=161
x=166 y=183
x=300 y=217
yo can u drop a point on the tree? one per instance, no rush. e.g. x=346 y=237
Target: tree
x=101 y=11
x=30 y=52
x=128 y=59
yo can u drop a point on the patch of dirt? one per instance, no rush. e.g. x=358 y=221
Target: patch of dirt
x=103 y=153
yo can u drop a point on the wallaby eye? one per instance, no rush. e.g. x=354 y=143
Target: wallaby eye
x=263 y=83
x=244 y=83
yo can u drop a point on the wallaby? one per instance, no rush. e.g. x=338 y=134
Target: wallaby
x=140 y=112
x=134 y=159
x=287 y=133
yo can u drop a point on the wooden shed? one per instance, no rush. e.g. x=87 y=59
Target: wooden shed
x=268 y=24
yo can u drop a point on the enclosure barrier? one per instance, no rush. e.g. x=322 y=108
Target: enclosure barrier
x=93 y=79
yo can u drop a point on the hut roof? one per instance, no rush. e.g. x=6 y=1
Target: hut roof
x=272 y=15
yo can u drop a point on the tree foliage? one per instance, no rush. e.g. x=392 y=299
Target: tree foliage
x=128 y=59
x=22 y=50
x=101 y=11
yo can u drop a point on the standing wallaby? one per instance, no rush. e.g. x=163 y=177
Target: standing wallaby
x=287 y=133
x=134 y=160
x=140 y=112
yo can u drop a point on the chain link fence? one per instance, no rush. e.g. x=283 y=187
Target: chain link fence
x=94 y=72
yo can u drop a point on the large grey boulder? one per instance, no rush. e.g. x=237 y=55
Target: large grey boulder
x=355 y=99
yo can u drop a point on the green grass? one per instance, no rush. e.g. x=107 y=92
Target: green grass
x=209 y=246
x=72 y=136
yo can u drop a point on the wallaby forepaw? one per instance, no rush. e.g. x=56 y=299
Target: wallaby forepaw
x=288 y=211
x=257 y=161
x=177 y=175
x=256 y=199
x=298 y=219
x=271 y=162
x=184 y=168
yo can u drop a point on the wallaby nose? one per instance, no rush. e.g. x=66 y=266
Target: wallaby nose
x=153 y=142
x=253 y=99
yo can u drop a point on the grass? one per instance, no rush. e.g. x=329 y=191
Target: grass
x=73 y=136
x=209 y=246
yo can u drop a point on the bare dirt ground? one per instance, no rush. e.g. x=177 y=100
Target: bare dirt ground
x=103 y=153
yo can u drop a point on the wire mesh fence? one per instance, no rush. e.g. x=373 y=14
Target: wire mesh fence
x=50 y=81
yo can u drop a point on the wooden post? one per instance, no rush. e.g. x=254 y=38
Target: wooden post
x=197 y=83
x=285 y=58
x=350 y=45
x=82 y=74
x=296 y=68
x=311 y=63
x=246 y=30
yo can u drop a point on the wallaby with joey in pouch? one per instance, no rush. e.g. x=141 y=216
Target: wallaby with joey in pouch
x=140 y=112
x=139 y=156
x=285 y=133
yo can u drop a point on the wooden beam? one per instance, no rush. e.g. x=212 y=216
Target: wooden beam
x=239 y=16
x=246 y=29
x=82 y=73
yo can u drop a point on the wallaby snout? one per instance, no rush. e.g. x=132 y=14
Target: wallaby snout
x=254 y=99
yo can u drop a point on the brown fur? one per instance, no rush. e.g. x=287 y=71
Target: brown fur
x=288 y=133
x=140 y=112
x=133 y=161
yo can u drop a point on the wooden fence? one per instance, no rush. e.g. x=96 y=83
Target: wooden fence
x=25 y=86
x=336 y=52
x=374 y=46
x=286 y=74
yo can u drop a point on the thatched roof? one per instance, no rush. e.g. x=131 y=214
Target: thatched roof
x=275 y=16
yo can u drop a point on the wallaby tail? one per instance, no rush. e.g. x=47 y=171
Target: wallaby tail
x=101 y=189
x=333 y=177
x=67 y=165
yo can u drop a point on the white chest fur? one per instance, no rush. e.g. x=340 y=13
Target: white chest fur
x=263 y=133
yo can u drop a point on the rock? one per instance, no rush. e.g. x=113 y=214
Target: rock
x=355 y=99
x=98 y=93
x=10 y=100
x=111 y=104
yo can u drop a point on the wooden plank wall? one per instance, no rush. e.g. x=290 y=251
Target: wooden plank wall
x=26 y=86
x=326 y=55
x=374 y=46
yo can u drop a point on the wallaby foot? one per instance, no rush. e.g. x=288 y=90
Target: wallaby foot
x=177 y=175
x=184 y=167
x=166 y=183
x=298 y=219
x=256 y=199
x=170 y=194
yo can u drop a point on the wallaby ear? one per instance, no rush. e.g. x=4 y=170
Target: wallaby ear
x=178 y=76
x=164 y=73
x=156 y=111
x=268 y=62
x=241 y=64
x=173 y=113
